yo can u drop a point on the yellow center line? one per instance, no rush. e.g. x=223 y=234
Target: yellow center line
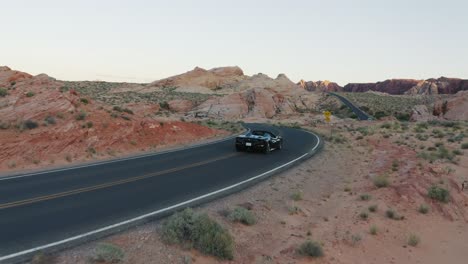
x=109 y=184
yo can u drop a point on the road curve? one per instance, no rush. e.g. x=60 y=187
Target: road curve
x=359 y=113
x=48 y=210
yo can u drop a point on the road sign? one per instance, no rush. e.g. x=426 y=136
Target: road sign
x=327 y=115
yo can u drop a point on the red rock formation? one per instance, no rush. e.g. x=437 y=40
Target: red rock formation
x=322 y=86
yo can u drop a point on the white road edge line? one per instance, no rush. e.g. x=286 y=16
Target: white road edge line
x=116 y=160
x=156 y=212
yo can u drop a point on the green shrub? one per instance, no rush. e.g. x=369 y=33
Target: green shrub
x=128 y=111
x=423 y=209
x=84 y=101
x=30 y=94
x=364 y=215
x=50 y=120
x=81 y=116
x=457 y=152
x=242 y=215
x=105 y=252
x=164 y=105
x=365 y=197
x=311 y=248
x=386 y=125
x=464 y=146
x=438 y=193
x=373 y=230
x=29 y=124
x=89 y=124
x=373 y=208
x=117 y=108
x=3 y=92
x=199 y=231
x=381 y=181
x=413 y=240
x=390 y=213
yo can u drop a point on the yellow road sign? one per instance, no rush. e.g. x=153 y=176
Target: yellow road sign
x=327 y=115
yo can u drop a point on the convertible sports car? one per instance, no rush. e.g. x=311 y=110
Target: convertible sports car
x=259 y=140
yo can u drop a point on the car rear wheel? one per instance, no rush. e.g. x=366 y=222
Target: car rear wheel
x=280 y=145
x=267 y=148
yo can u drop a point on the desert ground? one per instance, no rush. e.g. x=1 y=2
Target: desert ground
x=383 y=191
x=333 y=199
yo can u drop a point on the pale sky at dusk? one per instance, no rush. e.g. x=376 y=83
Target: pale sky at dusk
x=141 y=41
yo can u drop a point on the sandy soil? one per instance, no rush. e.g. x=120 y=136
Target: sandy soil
x=331 y=184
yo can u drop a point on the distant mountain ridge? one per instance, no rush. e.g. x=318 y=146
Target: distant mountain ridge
x=442 y=85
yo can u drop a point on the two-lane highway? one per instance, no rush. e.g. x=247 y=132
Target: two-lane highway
x=60 y=206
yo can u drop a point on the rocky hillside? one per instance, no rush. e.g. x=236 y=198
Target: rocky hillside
x=42 y=122
x=412 y=87
x=202 y=80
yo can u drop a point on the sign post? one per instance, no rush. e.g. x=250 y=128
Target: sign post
x=327 y=115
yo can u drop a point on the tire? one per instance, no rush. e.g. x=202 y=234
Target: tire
x=267 y=148
x=280 y=145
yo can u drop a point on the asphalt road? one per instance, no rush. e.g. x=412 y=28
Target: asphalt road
x=359 y=113
x=36 y=210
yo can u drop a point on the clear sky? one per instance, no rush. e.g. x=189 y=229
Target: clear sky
x=141 y=41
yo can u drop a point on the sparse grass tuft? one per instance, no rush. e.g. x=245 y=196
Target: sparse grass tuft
x=413 y=240
x=381 y=181
x=311 y=248
x=365 y=197
x=373 y=208
x=105 y=252
x=373 y=230
x=364 y=215
x=296 y=196
x=423 y=209
x=3 y=92
x=242 y=215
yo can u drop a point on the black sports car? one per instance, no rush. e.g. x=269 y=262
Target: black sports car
x=259 y=140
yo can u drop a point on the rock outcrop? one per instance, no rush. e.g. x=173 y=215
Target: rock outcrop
x=198 y=77
x=455 y=108
x=320 y=86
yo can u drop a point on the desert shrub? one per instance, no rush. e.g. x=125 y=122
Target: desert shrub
x=457 y=138
x=422 y=137
x=30 y=94
x=128 y=111
x=373 y=230
x=124 y=117
x=402 y=116
x=242 y=215
x=117 y=108
x=364 y=215
x=438 y=193
x=4 y=125
x=457 y=152
x=395 y=165
x=164 y=105
x=81 y=116
x=390 y=213
x=464 y=146
x=29 y=124
x=413 y=240
x=381 y=181
x=3 y=92
x=89 y=124
x=386 y=125
x=365 y=197
x=296 y=196
x=84 y=101
x=373 y=208
x=293 y=210
x=423 y=209
x=199 y=231
x=380 y=114
x=438 y=133
x=105 y=252
x=50 y=120
x=310 y=248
